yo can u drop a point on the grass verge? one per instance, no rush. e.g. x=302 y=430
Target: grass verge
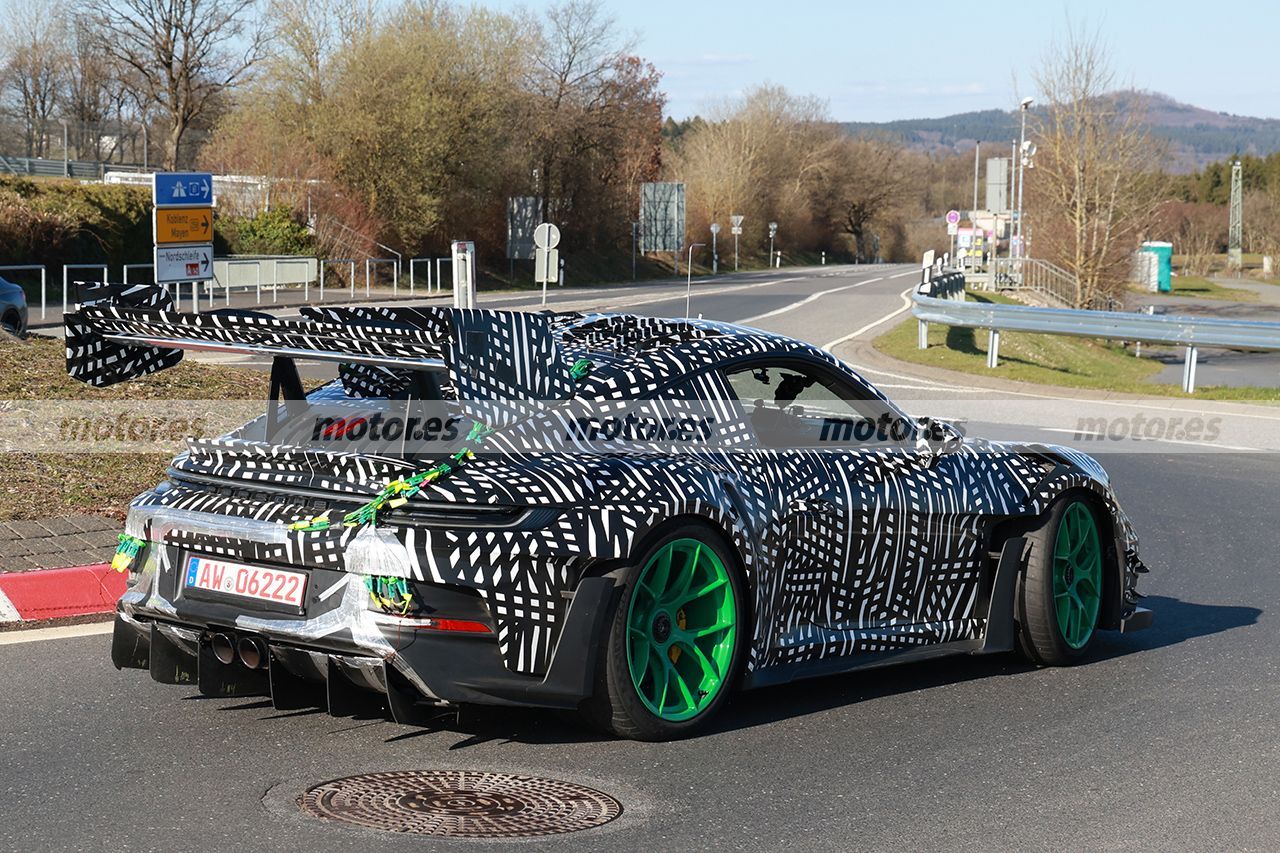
x=1203 y=288
x=50 y=485
x=1045 y=360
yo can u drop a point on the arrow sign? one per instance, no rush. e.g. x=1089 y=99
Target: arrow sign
x=182 y=189
x=184 y=263
x=183 y=225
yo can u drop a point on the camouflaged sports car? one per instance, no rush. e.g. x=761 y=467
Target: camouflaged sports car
x=622 y=516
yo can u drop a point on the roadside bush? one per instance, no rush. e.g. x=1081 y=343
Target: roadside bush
x=278 y=231
x=57 y=222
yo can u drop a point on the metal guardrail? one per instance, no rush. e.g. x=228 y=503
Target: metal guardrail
x=50 y=168
x=1188 y=332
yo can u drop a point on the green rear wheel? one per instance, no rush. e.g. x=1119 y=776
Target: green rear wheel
x=1062 y=589
x=675 y=638
x=681 y=630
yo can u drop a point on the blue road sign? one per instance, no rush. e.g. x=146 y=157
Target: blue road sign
x=182 y=189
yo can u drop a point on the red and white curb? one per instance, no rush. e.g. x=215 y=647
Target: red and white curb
x=57 y=593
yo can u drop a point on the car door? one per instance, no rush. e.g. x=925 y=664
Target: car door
x=916 y=551
x=882 y=554
x=795 y=416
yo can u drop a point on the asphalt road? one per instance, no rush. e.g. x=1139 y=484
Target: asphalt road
x=1164 y=739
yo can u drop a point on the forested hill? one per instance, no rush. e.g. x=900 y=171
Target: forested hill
x=1196 y=136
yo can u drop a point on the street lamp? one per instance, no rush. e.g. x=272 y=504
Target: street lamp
x=1022 y=161
x=715 y=256
x=689 y=285
x=773 y=231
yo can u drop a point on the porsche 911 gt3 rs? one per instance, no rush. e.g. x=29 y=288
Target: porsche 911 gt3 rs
x=622 y=516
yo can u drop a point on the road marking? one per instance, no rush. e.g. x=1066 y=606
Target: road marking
x=8 y=613
x=906 y=306
x=60 y=632
x=811 y=298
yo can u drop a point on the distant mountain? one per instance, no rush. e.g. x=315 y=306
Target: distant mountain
x=1196 y=136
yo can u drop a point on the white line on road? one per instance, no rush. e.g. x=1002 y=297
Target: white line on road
x=906 y=306
x=811 y=298
x=60 y=632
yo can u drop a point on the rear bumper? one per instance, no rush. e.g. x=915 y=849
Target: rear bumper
x=371 y=659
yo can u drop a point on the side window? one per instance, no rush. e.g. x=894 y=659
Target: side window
x=799 y=405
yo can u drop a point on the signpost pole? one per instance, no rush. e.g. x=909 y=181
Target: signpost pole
x=715 y=257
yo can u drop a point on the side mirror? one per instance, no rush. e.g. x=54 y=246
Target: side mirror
x=937 y=438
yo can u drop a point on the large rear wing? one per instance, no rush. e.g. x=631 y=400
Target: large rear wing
x=122 y=332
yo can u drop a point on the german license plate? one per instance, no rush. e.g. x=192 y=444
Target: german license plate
x=275 y=586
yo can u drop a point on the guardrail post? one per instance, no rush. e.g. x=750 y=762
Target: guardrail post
x=922 y=332
x=1189 y=370
x=993 y=350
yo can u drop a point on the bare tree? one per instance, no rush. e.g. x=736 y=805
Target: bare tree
x=34 y=41
x=766 y=156
x=1092 y=193
x=868 y=184
x=94 y=97
x=184 y=53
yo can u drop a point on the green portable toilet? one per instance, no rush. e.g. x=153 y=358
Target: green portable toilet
x=1164 y=267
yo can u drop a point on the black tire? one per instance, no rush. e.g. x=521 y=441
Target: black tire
x=615 y=705
x=10 y=325
x=1041 y=638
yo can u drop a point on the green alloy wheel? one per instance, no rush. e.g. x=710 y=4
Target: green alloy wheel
x=1077 y=575
x=1063 y=586
x=675 y=638
x=681 y=630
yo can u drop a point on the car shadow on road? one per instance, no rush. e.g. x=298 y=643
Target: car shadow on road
x=1176 y=621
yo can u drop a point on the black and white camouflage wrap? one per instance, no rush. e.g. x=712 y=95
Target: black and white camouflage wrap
x=845 y=550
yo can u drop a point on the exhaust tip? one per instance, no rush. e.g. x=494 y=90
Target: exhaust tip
x=223 y=648
x=253 y=652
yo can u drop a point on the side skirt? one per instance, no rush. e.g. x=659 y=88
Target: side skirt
x=1001 y=631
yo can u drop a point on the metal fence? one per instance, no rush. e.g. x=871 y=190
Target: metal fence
x=47 y=168
x=1188 y=332
x=270 y=279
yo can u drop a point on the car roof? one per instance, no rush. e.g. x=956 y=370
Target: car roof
x=632 y=354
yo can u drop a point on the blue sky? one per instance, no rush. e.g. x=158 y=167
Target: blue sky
x=913 y=59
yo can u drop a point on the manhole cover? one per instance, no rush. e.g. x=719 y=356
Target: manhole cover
x=460 y=803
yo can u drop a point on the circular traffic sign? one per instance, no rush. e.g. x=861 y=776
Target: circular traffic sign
x=715 y=227
x=546 y=236
x=953 y=217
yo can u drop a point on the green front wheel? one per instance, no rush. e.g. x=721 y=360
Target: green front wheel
x=1063 y=586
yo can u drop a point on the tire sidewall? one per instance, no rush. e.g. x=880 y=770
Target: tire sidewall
x=1061 y=649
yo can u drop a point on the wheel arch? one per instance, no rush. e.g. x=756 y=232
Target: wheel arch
x=644 y=541
x=1113 y=549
